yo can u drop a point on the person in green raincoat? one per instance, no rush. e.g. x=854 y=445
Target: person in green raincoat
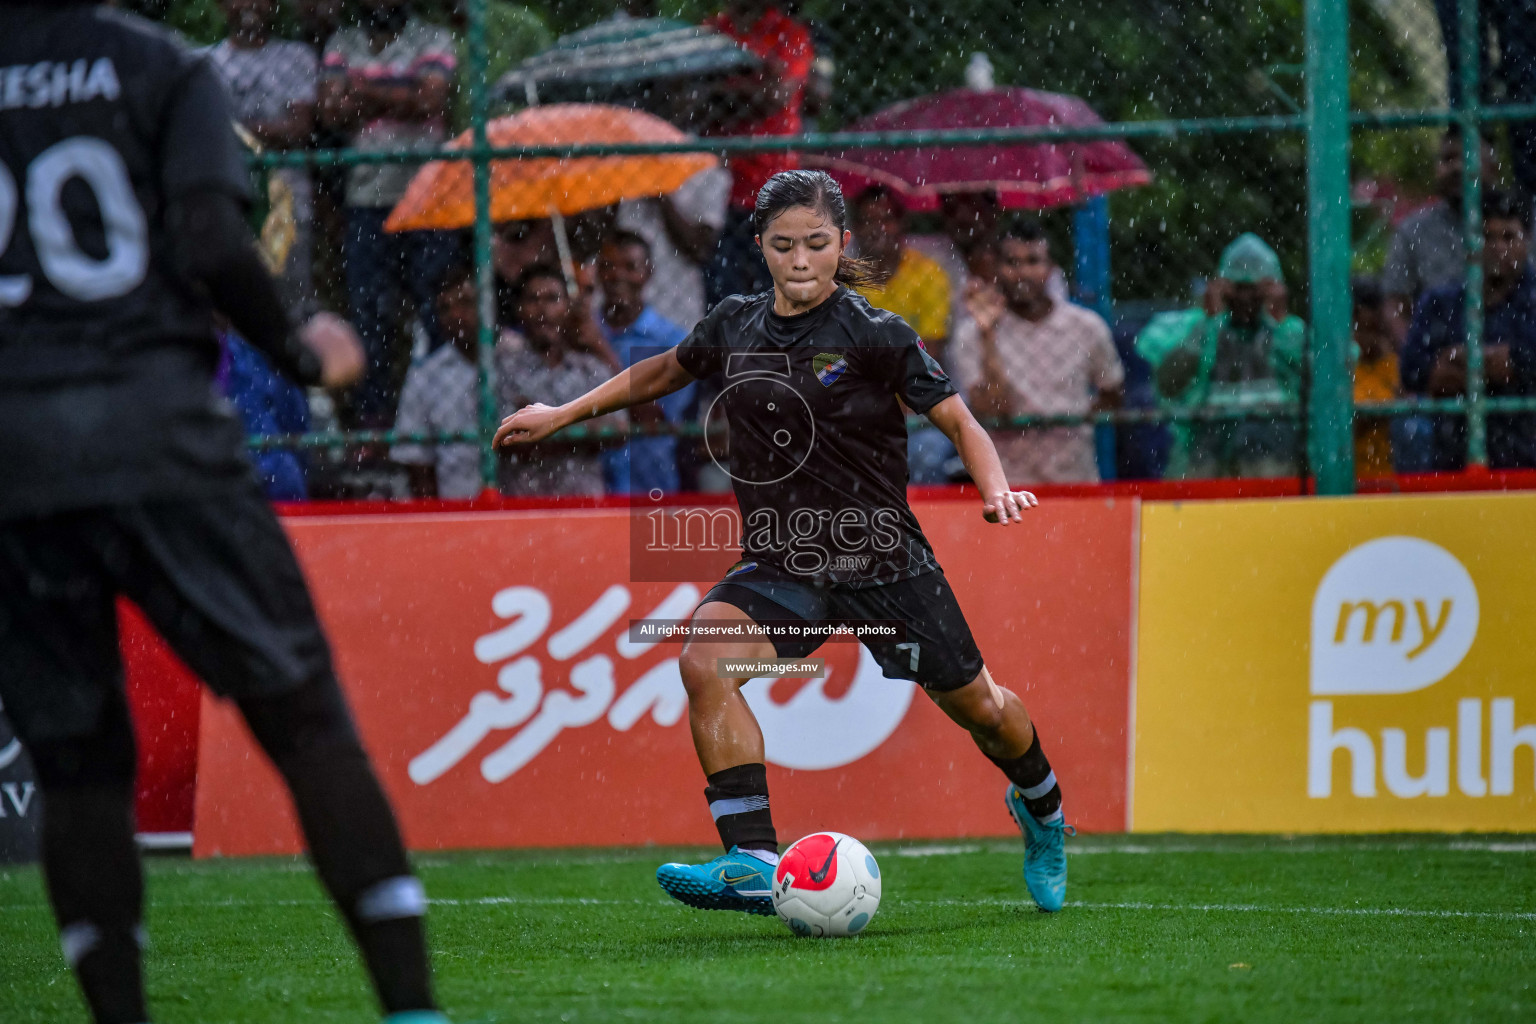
x=1240 y=349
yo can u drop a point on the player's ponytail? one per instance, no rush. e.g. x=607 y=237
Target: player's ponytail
x=858 y=272
x=819 y=191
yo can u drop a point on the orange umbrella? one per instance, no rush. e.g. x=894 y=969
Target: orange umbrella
x=442 y=193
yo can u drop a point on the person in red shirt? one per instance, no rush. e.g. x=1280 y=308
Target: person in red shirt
x=766 y=102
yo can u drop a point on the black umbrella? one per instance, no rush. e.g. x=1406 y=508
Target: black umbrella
x=624 y=60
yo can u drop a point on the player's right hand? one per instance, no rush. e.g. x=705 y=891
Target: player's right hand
x=1008 y=506
x=530 y=423
x=336 y=345
x=985 y=304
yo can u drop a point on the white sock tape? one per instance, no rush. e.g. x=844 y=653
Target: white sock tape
x=393 y=899
x=737 y=805
x=77 y=940
x=1036 y=792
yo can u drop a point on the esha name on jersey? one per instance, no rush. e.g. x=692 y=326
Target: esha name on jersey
x=55 y=83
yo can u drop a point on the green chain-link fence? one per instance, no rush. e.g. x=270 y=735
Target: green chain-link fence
x=1313 y=124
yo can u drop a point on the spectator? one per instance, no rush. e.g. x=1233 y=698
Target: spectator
x=272 y=85
x=682 y=230
x=768 y=102
x=521 y=244
x=1241 y=350
x=516 y=246
x=1434 y=356
x=1427 y=250
x=317 y=22
x=1023 y=352
x=268 y=403
x=442 y=396
x=389 y=82
x=544 y=364
x=635 y=330
x=917 y=290
x=1511 y=21
x=1376 y=379
x=915 y=287
x=966 y=248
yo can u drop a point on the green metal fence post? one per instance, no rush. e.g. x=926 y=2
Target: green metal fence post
x=1471 y=56
x=1330 y=410
x=485 y=285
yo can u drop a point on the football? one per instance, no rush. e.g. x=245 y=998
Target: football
x=827 y=885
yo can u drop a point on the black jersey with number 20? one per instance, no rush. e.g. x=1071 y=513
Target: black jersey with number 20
x=106 y=356
x=818 y=440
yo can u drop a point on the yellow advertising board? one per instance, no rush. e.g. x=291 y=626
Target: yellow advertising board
x=1337 y=665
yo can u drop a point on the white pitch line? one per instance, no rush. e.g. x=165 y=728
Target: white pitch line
x=1460 y=846
x=1090 y=849
x=556 y=901
x=1245 y=908
x=478 y=901
x=1200 y=908
x=1176 y=907
x=939 y=850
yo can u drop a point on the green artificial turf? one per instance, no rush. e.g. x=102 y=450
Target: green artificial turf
x=1163 y=928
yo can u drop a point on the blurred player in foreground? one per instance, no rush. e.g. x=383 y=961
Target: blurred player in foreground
x=122 y=220
x=813 y=380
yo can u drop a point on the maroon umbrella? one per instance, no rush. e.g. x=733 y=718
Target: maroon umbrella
x=1024 y=175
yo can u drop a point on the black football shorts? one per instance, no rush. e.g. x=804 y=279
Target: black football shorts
x=936 y=650
x=214 y=574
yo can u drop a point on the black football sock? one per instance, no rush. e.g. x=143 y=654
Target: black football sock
x=97 y=890
x=387 y=921
x=90 y=863
x=1031 y=773
x=352 y=835
x=738 y=801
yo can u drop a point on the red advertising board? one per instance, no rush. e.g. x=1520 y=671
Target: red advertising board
x=490 y=667
x=163 y=694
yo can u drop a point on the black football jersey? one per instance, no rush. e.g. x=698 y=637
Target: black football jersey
x=106 y=357
x=818 y=438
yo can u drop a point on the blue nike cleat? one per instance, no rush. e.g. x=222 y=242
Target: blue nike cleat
x=732 y=881
x=416 y=1017
x=1045 y=855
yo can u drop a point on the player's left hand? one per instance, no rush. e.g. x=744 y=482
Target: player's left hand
x=336 y=344
x=1007 y=506
x=530 y=423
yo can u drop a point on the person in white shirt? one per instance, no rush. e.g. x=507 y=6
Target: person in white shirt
x=681 y=229
x=442 y=395
x=966 y=249
x=1022 y=352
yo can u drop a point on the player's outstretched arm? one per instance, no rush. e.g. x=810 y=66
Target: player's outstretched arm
x=999 y=503
x=646 y=381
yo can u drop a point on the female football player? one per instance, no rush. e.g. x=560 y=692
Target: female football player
x=813 y=380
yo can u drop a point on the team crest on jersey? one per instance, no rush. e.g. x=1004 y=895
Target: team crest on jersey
x=739 y=568
x=828 y=366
